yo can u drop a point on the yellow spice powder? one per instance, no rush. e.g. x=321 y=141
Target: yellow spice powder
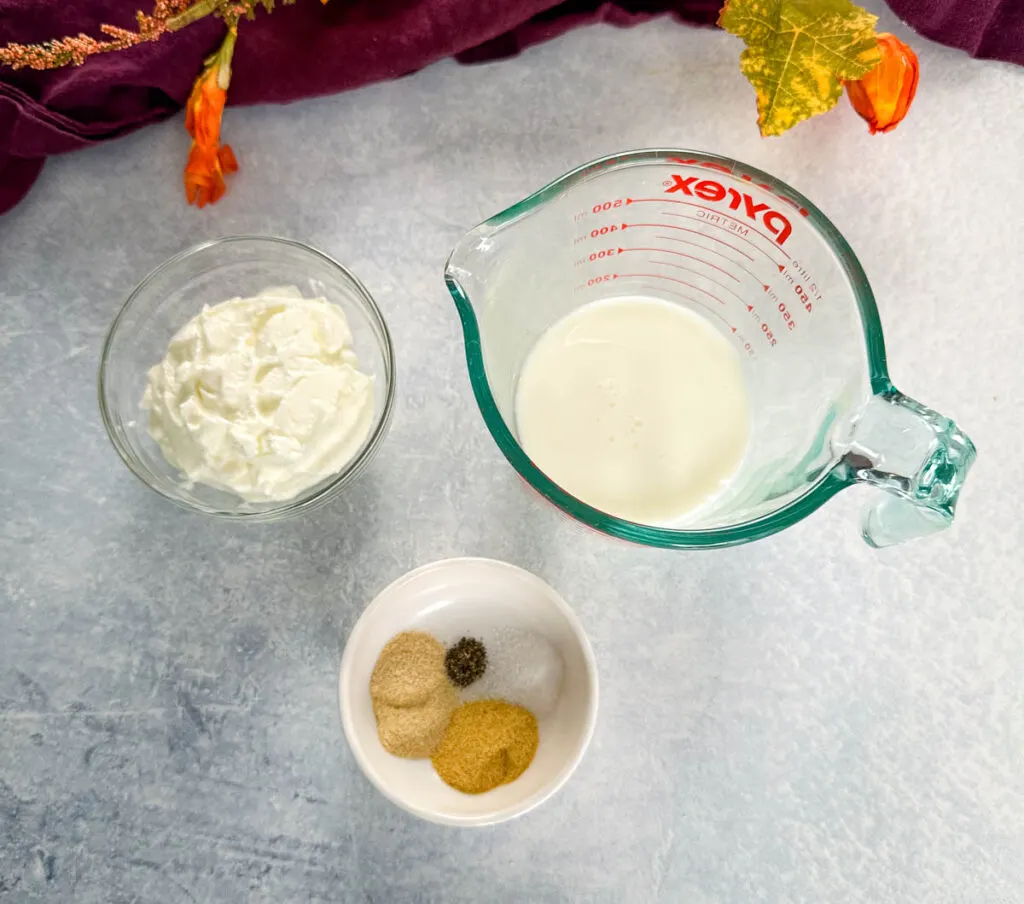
x=488 y=743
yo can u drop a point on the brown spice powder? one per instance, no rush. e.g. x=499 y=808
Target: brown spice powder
x=415 y=731
x=412 y=699
x=488 y=743
x=409 y=670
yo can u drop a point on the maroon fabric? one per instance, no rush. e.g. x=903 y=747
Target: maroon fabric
x=300 y=51
x=310 y=49
x=990 y=29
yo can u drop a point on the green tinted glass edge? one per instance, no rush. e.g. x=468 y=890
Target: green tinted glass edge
x=819 y=493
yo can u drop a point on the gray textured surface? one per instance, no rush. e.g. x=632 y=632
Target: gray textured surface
x=800 y=720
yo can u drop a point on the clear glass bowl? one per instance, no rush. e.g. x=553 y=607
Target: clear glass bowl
x=236 y=266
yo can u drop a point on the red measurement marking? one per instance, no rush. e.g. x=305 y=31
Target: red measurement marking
x=744 y=223
x=699 y=260
x=681 y=282
x=766 y=331
x=683 y=216
x=698 y=273
x=720 y=317
x=672 y=238
x=747 y=347
x=804 y=299
x=787 y=316
x=694 y=231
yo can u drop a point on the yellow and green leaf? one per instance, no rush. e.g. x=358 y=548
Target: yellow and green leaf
x=798 y=54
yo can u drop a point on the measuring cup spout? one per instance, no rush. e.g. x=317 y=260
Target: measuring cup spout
x=918 y=456
x=469 y=267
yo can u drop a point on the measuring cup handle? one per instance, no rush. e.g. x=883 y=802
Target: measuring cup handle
x=919 y=457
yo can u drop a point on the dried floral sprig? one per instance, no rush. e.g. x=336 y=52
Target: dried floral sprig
x=208 y=160
x=167 y=16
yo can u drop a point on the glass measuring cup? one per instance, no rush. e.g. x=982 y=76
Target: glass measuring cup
x=772 y=274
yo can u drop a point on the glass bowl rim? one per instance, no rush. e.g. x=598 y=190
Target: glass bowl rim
x=305 y=501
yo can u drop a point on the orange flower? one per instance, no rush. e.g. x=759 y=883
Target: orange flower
x=883 y=96
x=208 y=161
x=204 y=173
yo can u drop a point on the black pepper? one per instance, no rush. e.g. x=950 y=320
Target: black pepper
x=465 y=661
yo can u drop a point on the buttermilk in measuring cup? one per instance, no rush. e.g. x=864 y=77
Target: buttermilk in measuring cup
x=636 y=406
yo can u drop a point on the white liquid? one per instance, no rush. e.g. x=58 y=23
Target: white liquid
x=636 y=406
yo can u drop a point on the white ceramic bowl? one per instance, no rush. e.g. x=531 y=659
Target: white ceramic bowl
x=449 y=598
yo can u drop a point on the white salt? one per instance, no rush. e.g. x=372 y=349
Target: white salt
x=522 y=667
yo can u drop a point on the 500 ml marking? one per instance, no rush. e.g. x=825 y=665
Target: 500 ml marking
x=600 y=207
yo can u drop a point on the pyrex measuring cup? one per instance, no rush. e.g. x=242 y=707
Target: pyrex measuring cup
x=773 y=275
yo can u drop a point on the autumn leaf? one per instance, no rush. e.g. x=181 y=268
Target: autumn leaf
x=798 y=54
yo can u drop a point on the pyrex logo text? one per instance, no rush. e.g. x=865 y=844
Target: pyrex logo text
x=710 y=190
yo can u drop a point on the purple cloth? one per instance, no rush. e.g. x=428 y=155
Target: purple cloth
x=989 y=29
x=310 y=49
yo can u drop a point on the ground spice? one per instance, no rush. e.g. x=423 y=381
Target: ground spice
x=488 y=743
x=412 y=699
x=465 y=661
x=414 y=732
x=409 y=670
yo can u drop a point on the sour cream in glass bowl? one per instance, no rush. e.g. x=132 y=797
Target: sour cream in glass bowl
x=249 y=377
